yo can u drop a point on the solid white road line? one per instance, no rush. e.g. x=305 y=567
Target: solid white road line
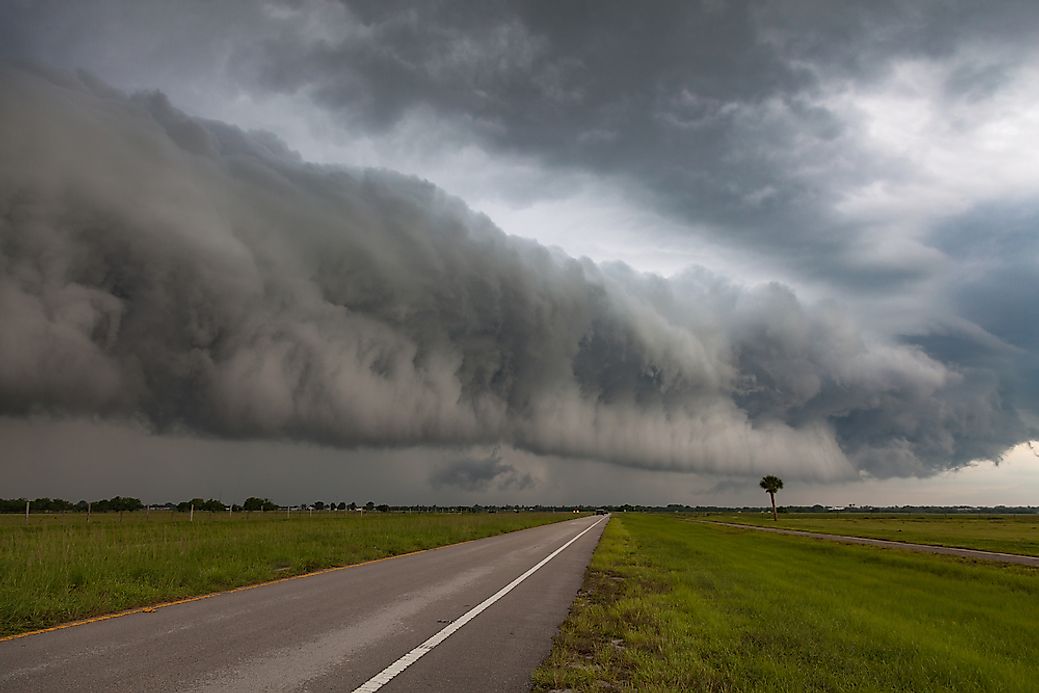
x=386 y=675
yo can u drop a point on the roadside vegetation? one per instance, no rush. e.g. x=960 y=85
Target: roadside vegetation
x=1005 y=533
x=675 y=605
x=59 y=568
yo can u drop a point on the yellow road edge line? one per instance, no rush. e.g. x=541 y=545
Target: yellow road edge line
x=187 y=600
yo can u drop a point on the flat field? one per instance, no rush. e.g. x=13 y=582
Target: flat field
x=1006 y=533
x=60 y=568
x=674 y=605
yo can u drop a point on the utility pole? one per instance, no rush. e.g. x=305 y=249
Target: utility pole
x=191 y=516
x=26 y=512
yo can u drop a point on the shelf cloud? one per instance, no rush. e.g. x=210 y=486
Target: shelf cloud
x=207 y=280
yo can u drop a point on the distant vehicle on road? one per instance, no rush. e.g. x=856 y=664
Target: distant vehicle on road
x=600 y=511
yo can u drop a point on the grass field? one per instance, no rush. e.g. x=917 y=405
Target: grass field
x=1009 y=533
x=61 y=568
x=673 y=605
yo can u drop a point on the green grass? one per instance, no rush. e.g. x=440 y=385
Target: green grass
x=61 y=568
x=1007 y=533
x=673 y=605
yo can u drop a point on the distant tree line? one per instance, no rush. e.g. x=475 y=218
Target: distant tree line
x=255 y=504
x=60 y=505
x=199 y=504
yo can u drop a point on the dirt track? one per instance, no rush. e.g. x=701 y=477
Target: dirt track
x=922 y=548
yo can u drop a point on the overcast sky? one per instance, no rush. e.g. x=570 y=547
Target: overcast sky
x=485 y=252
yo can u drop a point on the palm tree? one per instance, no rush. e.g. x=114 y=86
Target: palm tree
x=771 y=484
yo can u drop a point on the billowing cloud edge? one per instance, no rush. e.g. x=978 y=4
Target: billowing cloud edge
x=201 y=278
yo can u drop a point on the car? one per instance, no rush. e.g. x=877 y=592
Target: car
x=600 y=511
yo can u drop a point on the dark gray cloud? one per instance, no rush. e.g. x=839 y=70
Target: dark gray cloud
x=204 y=279
x=743 y=120
x=482 y=473
x=719 y=113
x=75 y=458
x=208 y=281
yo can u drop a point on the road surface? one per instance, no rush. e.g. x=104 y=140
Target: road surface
x=922 y=548
x=336 y=631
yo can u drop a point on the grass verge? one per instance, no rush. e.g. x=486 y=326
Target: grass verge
x=680 y=606
x=62 y=568
x=1005 y=533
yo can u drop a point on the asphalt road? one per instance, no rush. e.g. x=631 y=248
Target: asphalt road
x=976 y=554
x=334 y=631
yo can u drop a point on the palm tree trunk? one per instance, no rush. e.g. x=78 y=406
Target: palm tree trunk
x=775 y=517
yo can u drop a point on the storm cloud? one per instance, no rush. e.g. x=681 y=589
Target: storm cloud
x=204 y=279
x=831 y=142
x=480 y=474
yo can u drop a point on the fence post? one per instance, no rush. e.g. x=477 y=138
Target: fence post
x=191 y=516
x=26 y=512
